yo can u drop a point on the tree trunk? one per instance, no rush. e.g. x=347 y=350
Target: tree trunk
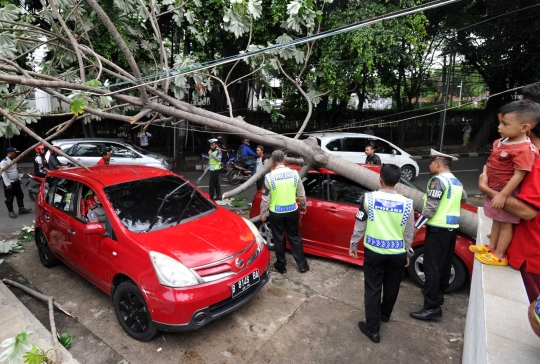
x=489 y=124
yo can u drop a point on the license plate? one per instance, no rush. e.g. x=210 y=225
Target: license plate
x=245 y=283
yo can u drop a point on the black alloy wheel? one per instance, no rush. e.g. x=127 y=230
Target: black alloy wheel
x=132 y=312
x=45 y=255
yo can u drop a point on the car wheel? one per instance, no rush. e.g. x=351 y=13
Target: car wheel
x=416 y=271
x=266 y=233
x=407 y=172
x=45 y=255
x=132 y=312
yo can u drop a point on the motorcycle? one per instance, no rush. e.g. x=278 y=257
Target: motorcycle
x=34 y=189
x=240 y=172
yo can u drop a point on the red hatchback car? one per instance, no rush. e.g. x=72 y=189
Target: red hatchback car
x=170 y=258
x=326 y=229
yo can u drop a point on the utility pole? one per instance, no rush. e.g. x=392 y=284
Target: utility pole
x=442 y=119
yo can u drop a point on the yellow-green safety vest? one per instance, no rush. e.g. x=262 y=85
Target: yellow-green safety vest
x=212 y=163
x=449 y=210
x=283 y=183
x=388 y=214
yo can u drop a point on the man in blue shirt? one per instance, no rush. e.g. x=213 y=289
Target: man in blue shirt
x=246 y=152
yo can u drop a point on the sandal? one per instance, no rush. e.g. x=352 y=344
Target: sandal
x=491 y=259
x=480 y=249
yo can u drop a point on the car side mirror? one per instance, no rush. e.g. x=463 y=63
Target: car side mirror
x=394 y=152
x=133 y=155
x=94 y=228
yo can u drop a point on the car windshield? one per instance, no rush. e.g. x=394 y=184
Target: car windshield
x=410 y=184
x=137 y=202
x=138 y=149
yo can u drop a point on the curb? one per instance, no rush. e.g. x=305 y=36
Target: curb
x=460 y=155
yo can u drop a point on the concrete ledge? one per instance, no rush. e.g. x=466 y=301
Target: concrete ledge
x=15 y=318
x=497 y=329
x=459 y=155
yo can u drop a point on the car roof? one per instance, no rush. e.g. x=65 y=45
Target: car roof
x=78 y=140
x=341 y=135
x=108 y=175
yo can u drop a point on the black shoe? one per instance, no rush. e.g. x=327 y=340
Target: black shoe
x=24 y=210
x=375 y=337
x=304 y=269
x=385 y=318
x=280 y=269
x=440 y=297
x=426 y=314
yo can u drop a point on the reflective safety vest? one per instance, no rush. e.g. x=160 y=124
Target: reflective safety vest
x=449 y=210
x=212 y=163
x=387 y=218
x=283 y=183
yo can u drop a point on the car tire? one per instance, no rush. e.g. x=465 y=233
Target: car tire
x=408 y=172
x=45 y=254
x=416 y=271
x=132 y=312
x=266 y=233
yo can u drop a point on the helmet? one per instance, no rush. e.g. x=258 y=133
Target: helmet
x=219 y=138
x=212 y=141
x=245 y=140
x=39 y=147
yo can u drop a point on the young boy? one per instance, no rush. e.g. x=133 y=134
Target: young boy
x=513 y=156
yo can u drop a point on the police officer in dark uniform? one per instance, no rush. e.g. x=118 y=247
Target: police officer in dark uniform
x=96 y=212
x=387 y=219
x=12 y=184
x=441 y=215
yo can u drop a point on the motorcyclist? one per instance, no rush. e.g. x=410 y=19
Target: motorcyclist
x=40 y=164
x=246 y=152
x=54 y=163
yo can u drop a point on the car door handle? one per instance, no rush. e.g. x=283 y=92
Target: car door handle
x=331 y=209
x=46 y=217
x=71 y=232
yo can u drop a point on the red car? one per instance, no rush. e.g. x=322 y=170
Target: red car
x=171 y=259
x=326 y=229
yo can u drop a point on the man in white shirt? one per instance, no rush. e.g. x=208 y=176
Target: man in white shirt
x=144 y=138
x=12 y=184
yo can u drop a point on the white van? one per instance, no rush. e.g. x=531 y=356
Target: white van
x=350 y=146
x=89 y=151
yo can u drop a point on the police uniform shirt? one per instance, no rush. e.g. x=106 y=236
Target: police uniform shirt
x=361 y=223
x=434 y=196
x=300 y=194
x=11 y=174
x=96 y=213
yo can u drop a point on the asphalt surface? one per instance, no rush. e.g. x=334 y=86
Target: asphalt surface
x=296 y=318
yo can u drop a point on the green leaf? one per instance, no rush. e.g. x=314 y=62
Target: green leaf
x=36 y=356
x=65 y=339
x=93 y=83
x=77 y=106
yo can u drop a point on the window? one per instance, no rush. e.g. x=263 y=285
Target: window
x=50 y=184
x=341 y=189
x=61 y=196
x=67 y=148
x=137 y=202
x=334 y=145
x=89 y=150
x=118 y=150
x=312 y=185
x=382 y=147
x=355 y=144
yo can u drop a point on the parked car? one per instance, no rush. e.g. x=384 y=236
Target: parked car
x=351 y=146
x=88 y=152
x=326 y=229
x=170 y=258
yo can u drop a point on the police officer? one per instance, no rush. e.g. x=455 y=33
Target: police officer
x=40 y=164
x=281 y=188
x=12 y=184
x=441 y=214
x=214 y=165
x=387 y=219
x=96 y=212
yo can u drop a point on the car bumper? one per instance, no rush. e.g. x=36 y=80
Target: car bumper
x=185 y=309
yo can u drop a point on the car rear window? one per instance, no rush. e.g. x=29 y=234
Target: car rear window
x=137 y=202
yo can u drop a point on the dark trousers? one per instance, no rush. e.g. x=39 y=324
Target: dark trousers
x=288 y=222
x=15 y=192
x=214 y=184
x=438 y=253
x=382 y=273
x=531 y=282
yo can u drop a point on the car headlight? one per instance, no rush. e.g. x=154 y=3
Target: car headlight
x=255 y=231
x=171 y=272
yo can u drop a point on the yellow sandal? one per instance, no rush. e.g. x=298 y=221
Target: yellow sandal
x=480 y=249
x=491 y=259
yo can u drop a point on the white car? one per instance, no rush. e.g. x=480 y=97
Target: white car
x=350 y=146
x=88 y=151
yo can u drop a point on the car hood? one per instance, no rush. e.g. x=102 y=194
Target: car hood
x=204 y=240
